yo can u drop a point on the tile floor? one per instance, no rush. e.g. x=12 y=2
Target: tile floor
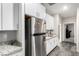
x=71 y=39
x=65 y=49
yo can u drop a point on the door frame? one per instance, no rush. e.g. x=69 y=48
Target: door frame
x=64 y=24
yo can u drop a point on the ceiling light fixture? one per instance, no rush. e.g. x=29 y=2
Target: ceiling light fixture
x=65 y=8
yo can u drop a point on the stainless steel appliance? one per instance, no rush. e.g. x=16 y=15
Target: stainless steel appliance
x=34 y=36
x=38 y=33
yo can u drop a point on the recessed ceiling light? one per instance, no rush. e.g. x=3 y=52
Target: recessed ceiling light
x=65 y=8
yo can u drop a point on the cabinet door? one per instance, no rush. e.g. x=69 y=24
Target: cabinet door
x=40 y=11
x=35 y=9
x=49 y=22
x=30 y=9
x=16 y=16
x=48 y=46
x=7 y=16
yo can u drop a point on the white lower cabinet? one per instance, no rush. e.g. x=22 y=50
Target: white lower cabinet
x=51 y=44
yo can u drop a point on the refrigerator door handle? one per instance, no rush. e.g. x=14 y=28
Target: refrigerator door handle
x=39 y=34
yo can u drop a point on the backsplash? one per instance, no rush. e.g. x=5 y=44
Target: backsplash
x=50 y=33
x=8 y=35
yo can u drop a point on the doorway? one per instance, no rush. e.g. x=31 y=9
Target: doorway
x=69 y=32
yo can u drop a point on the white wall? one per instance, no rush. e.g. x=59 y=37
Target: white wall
x=60 y=29
x=58 y=26
x=69 y=20
x=77 y=30
x=21 y=30
x=56 y=23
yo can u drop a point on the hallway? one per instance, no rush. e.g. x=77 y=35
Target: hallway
x=71 y=39
x=65 y=49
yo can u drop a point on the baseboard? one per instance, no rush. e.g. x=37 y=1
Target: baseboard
x=69 y=42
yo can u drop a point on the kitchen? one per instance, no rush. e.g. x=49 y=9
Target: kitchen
x=39 y=29
x=55 y=17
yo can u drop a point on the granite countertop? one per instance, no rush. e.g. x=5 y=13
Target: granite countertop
x=9 y=49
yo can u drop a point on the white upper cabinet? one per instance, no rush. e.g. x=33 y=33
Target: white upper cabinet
x=16 y=16
x=36 y=10
x=40 y=11
x=49 y=22
x=9 y=16
x=30 y=9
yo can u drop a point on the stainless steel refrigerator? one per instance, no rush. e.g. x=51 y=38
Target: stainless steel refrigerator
x=34 y=36
x=38 y=34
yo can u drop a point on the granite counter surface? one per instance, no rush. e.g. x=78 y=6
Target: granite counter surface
x=6 y=50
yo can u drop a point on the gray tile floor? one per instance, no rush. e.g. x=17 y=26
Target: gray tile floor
x=65 y=49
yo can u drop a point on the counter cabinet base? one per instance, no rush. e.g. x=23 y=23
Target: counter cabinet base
x=51 y=51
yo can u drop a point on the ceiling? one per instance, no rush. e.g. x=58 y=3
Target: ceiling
x=57 y=8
